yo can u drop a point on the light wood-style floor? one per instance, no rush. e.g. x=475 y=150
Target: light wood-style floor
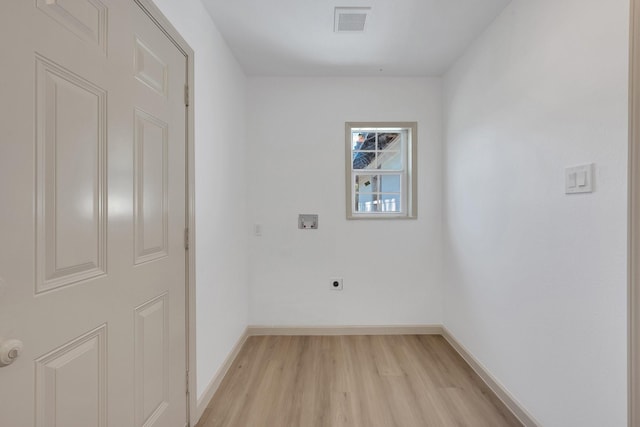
x=352 y=381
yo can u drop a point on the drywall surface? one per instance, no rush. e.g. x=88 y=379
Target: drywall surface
x=221 y=224
x=536 y=279
x=391 y=269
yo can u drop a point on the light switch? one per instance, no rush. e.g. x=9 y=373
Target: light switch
x=579 y=179
x=582 y=179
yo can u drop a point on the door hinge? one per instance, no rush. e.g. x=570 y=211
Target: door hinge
x=186 y=239
x=186 y=95
x=187 y=382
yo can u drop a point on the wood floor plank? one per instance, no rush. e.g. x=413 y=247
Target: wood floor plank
x=353 y=381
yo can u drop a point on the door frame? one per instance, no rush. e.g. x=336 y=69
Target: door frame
x=634 y=219
x=163 y=23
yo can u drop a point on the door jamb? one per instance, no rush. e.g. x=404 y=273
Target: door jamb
x=190 y=292
x=634 y=220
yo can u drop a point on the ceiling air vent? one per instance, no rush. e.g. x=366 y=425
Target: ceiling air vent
x=350 y=19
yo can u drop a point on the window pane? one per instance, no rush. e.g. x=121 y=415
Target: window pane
x=389 y=203
x=366 y=183
x=364 y=145
x=390 y=183
x=389 y=140
x=364 y=160
x=366 y=203
x=361 y=140
x=390 y=160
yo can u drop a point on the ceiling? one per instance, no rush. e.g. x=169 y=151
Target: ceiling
x=401 y=37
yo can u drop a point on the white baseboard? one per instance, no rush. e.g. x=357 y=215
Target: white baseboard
x=509 y=401
x=346 y=330
x=211 y=389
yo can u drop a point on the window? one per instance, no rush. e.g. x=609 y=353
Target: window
x=381 y=170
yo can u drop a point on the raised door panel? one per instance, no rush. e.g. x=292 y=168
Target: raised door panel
x=71 y=383
x=149 y=68
x=151 y=182
x=152 y=361
x=87 y=19
x=71 y=191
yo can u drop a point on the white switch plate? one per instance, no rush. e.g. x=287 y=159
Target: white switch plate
x=579 y=179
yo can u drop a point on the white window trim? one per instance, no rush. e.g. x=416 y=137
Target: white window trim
x=411 y=182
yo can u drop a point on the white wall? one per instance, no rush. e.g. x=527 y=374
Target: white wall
x=221 y=221
x=537 y=279
x=391 y=269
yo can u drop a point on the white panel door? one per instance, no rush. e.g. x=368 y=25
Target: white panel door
x=92 y=216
